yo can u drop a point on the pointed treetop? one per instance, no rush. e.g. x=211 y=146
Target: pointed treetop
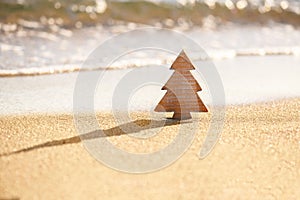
x=182 y=62
x=183 y=54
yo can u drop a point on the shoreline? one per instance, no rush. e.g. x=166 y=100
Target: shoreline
x=260 y=143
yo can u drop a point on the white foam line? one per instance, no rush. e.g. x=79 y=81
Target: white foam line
x=143 y=61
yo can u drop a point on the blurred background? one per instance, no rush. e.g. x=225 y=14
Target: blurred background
x=255 y=45
x=49 y=36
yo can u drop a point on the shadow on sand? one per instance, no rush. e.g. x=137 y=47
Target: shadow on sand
x=128 y=128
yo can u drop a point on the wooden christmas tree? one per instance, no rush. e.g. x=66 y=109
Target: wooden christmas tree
x=181 y=97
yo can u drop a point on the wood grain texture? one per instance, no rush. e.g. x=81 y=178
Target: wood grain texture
x=181 y=96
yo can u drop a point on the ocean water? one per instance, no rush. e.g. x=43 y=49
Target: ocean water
x=48 y=37
x=254 y=44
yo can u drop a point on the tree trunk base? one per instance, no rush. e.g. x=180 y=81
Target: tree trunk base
x=182 y=116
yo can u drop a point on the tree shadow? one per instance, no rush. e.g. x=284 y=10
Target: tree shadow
x=127 y=128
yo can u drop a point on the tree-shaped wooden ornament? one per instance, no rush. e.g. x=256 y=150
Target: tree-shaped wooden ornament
x=181 y=97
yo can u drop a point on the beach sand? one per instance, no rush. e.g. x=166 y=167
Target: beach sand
x=256 y=157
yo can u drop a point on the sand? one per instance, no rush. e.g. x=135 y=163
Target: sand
x=257 y=157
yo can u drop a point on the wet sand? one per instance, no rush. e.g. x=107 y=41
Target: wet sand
x=257 y=157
